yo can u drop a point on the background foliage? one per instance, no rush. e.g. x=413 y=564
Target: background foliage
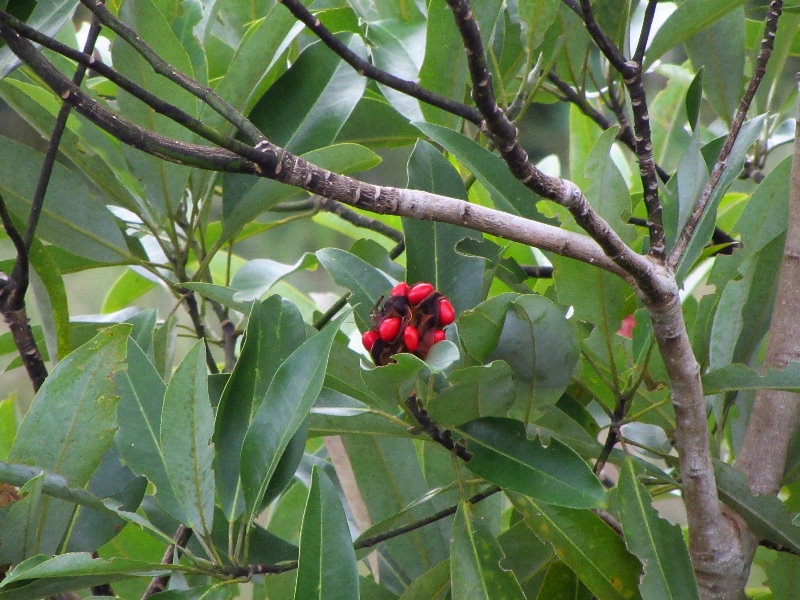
x=283 y=461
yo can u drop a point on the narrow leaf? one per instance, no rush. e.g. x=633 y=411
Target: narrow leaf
x=504 y=455
x=187 y=424
x=475 y=557
x=741 y=377
x=327 y=565
x=659 y=545
x=288 y=400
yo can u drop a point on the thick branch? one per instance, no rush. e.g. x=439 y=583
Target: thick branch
x=774 y=416
x=275 y=163
x=767 y=44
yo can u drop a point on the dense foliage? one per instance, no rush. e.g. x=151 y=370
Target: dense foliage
x=589 y=350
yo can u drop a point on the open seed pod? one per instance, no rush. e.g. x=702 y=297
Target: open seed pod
x=410 y=320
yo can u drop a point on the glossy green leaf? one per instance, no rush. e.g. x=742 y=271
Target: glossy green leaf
x=693 y=97
x=51 y=298
x=537 y=17
x=9 y=423
x=274 y=330
x=257 y=61
x=187 y=424
x=719 y=50
x=305 y=108
x=257 y=276
x=659 y=545
x=767 y=516
x=291 y=394
x=475 y=557
x=504 y=455
x=506 y=191
x=129 y=286
x=588 y=546
x=607 y=191
x=398 y=47
x=71 y=424
x=444 y=69
x=327 y=565
x=782 y=576
x=71 y=217
x=375 y=123
x=539 y=345
x=561 y=583
x=366 y=283
x=480 y=391
x=430 y=246
x=687 y=20
x=480 y=327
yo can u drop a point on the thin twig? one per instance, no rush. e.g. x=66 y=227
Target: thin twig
x=369 y=70
x=767 y=45
x=441 y=437
x=159 y=584
x=162 y=67
x=647 y=23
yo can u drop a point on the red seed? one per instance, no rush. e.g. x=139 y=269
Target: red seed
x=411 y=338
x=388 y=328
x=419 y=292
x=368 y=338
x=446 y=313
x=401 y=289
x=439 y=335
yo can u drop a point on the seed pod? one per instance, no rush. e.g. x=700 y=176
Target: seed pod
x=446 y=312
x=411 y=338
x=368 y=338
x=389 y=328
x=419 y=292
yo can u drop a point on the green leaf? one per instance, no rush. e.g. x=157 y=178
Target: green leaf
x=257 y=276
x=740 y=377
x=19 y=537
x=289 y=398
x=693 y=97
x=688 y=19
x=537 y=16
x=607 y=191
x=71 y=217
x=433 y=585
x=588 y=546
x=187 y=424
x=309 y=104
x=504 y=455
x=397 y=47
x=659 y=545
x=508 y=193
x=366 y=283
x=47 y=17
x=71 y=424
x=767 y=516
x=164 y=183
x=52 y=300
x=327 y=565
x=43 y=576
x=9 y=423
x=430 y=246
x=480 y=391
x=480 y=327
x=444 y=69
x=719 y=50
x=129 y=286
x=274 y=330
x=475 y=557
x=539 y=345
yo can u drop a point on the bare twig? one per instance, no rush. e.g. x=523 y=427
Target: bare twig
x=767 y=44
x=369 y=70
x=159 y=584
x=441 y=437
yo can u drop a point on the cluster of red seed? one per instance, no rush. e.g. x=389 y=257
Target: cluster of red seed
x=411 y=320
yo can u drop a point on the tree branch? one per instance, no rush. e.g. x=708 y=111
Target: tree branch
x=767 y=44
x=268 y=160
x=159 y=584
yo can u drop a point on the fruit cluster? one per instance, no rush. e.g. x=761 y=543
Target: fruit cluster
x=411 y=320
